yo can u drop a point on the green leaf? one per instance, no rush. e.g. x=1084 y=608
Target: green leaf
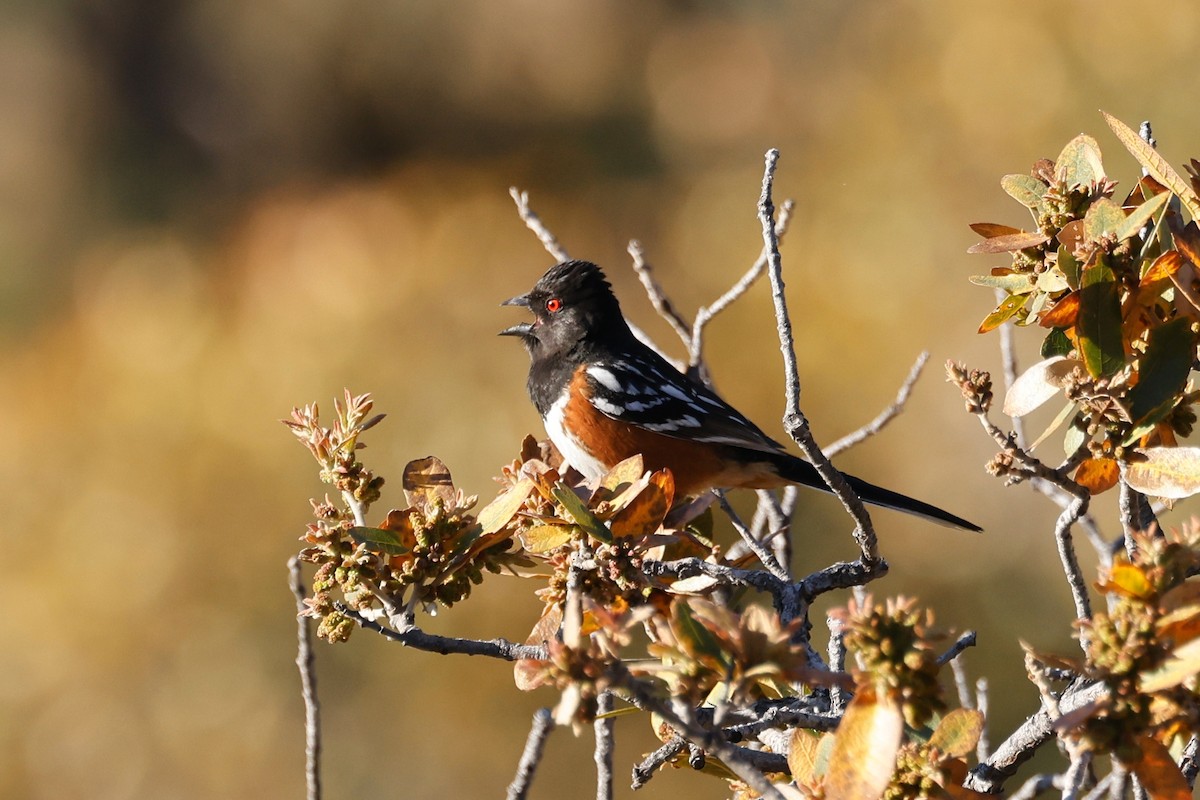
x=1013 y=283
x=1069 y=265
x=1141 y=215
x=1079 y=162
x=700 y=640
x=1007 y=308
x=579 y=514
x=1104 y=218
x=1025 y=189
x=1056 y=343
x=378 y=539
x=958 y=732
x=1073 y=439
x=1155 y=164
x=1099 y=326
x=1163 y=372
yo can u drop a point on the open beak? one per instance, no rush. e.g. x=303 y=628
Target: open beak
x=522 y=328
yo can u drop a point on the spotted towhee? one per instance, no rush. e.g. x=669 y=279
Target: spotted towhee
x=605 y=396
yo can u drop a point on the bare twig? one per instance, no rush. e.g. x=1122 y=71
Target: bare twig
x=418 y=639
x=887 y=415
x=534 y=223
x=306 y=662
x=643 y=772
x=838 y=697
x=543 y=724
x=1189 y=763
x=794 y=420
x=1019 y=747
x=963 y=642
x=603 y=727
x=706 y=314
x=1038 y=784
x=657 y=298
x=983 y=749
x=842 y=575
x=962 y=684
x=1070 y=562
x=764 y=555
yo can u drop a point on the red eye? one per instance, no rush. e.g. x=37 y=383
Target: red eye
x=554 y=305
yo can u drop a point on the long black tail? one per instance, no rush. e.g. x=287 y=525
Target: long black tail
x=797 y=470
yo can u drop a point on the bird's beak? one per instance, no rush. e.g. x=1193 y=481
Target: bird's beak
x=520 y=329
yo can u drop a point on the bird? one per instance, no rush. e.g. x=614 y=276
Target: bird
x=604 y=396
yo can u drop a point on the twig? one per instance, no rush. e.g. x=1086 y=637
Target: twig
x=306 y=662
x=418 y=639
x=534 y=223
x=1038 y=784
x=963 y=642
x=837 y=661
x=643 y=772
x=842 y=575
x=603 y=727
x=764 y=555
x=657 y=298
x=1019 y=747
x=543 y=724
x=1189 y=763
x=749 y=765
x=962 y=684
x=794 y=420
x=983 y=748
x=705 y=314
x=1070 y=562
x=887 y=415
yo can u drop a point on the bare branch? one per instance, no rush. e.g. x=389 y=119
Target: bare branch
x=705 y=314
x=1019 y=747
x=963 y=642
x=418 y=639
x=764 y=555
x=603 y=727
x=887 y=415
x=306 y=662
x=650 y=765
x=1038 y=784
x=794 y=420
x=543 y=724
x=657 y=298
x=1070 y=562
x=534 y=223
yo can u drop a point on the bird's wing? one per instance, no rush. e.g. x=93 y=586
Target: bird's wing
x=658 y=398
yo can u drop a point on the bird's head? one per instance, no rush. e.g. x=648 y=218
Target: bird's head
x=571 y=304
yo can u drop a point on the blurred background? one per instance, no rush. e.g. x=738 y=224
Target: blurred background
x=211 y=211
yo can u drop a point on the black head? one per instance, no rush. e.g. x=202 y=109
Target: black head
x=572 y=304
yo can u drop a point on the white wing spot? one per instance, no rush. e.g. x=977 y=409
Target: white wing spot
x=606 y=379
x=612 y=409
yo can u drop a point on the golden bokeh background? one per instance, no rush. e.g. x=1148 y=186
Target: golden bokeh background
x=211 y=211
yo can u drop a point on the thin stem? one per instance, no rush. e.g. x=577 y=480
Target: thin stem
x=535 y=745
x=658 y=298
x=887 y=415
x=418 y=639
x=306 y=663
x=534 y=223
x=603 y=756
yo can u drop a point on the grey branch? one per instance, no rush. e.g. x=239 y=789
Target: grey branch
x=306 y=662
x=887 y=415
x=964 y=641
x=643 y=772
x=764 y=555
x=534 y=223
x=1020 y=746
x=657 y=298
x=794 y=420
x=543 y=724
x=603 y=728
x=418 y=639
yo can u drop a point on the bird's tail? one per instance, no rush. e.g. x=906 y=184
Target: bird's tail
x=799 y=471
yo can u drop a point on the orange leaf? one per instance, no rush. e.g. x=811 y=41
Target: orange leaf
x=989 y=230
x=1098 y=474
x=1009 y=242
x=644 y=513
x=1163 y=268
x=864 y=752
x=1062 y=314
x=1157 y=771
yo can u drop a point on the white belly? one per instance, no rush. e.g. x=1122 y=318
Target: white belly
x=574 y=455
